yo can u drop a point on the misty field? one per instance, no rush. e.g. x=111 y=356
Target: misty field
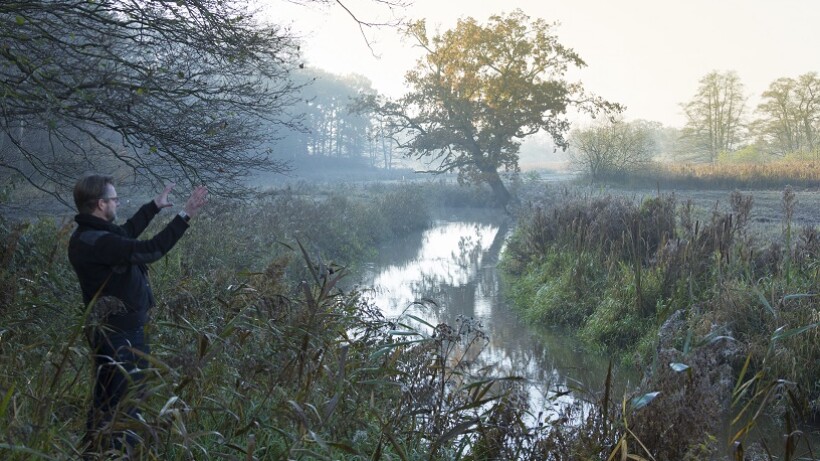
x=767 y=217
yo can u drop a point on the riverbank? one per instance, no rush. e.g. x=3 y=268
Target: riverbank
x=718 y=314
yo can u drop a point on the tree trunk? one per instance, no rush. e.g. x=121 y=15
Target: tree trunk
x=500 y=192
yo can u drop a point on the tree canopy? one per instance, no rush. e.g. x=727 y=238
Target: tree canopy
x=479 y=90
x=171 y=91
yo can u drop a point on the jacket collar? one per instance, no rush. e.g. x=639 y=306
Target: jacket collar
x=94 y=222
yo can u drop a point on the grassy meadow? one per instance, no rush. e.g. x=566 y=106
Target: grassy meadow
x=261 y=352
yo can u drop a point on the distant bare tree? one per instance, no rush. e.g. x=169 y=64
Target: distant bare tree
x=714 y=115
x=789 y=120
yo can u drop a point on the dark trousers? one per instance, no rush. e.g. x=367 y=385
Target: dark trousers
x=117 y=387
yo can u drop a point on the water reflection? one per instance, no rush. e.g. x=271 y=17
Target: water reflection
x=447 y=258
x=449 y=272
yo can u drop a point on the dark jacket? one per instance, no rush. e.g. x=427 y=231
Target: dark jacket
x=110 y=256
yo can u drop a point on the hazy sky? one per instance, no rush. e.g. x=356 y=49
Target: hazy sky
x=646 y=54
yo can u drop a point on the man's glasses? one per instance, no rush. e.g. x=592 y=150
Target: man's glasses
x=113 y=199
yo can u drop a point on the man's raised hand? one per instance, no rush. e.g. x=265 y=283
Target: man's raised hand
x=198 y=198
x=161 y=200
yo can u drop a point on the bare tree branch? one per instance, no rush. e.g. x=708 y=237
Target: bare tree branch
x=189 y=91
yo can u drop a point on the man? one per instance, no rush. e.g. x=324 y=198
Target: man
x=111 y=264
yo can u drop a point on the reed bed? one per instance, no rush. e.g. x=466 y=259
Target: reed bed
x=262 y=351
x=801 y=174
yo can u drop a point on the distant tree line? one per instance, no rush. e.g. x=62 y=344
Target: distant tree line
x=328 y=124
x=786 y=122
x=201 y=91
x=719 y=127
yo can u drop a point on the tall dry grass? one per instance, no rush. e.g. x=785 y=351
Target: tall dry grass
x=771 y=175
x=260 y=352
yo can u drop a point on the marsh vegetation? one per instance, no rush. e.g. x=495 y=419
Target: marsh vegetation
x=717 y=302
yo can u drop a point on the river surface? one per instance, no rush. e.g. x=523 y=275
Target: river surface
x=447 y=274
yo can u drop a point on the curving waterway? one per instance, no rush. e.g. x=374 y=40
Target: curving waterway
x=448 y=273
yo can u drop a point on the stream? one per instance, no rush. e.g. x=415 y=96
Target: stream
x=448 y=273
